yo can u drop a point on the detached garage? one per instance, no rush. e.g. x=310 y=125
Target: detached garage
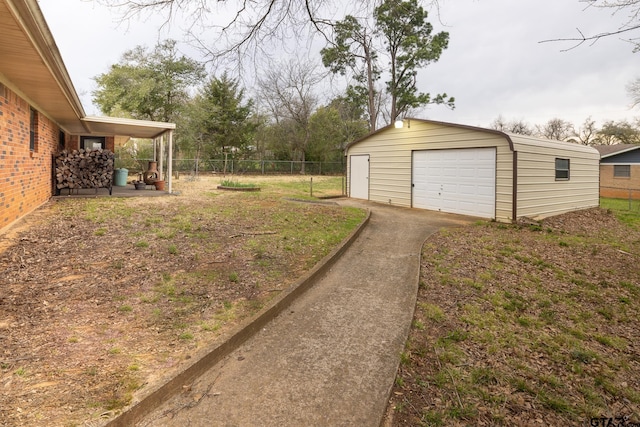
x=472 y=171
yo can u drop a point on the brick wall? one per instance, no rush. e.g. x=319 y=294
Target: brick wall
x=619 y=187
x=25 y=175
x=72 y=143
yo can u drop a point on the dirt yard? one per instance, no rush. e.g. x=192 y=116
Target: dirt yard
x=533 y=324
x=102 y=298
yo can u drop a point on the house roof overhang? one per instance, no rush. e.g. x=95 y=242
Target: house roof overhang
x=32 y=67
x=114 y=126
x=614 y=150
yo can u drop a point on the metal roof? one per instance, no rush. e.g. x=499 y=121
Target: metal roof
x=514 y=140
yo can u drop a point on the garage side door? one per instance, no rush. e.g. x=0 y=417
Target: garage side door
x=457 y=181
x=359 y=183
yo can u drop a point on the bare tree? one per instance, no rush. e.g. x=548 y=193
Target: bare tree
x=287 y=91
x=633 y=89
x=499 y=123
x=520 y=127
x=512 y=126
x=557 y=129
x=242 y=26
x=254 y=22
x=587 y=134
x=620 y=132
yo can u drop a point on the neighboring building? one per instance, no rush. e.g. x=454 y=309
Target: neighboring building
x=473 y=171
x=619 y=170
x=41 y=114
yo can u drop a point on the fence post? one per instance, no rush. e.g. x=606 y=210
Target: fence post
x=311 y=186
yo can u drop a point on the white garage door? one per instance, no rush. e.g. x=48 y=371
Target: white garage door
x=359 y=168
x=458 y=181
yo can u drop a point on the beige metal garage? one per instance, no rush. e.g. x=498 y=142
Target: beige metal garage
x=473 y=171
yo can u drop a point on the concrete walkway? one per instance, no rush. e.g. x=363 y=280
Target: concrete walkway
x=331 y=357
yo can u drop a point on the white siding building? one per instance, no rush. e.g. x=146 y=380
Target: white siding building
x=473 y=171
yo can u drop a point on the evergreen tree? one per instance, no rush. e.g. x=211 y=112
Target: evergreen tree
x=225 y=118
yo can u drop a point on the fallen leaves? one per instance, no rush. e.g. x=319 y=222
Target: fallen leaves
x=88 y=317
x=549 y=319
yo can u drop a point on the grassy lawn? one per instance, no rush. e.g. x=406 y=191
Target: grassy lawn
x=526 y=325
x=301 y=187
x=628 y=211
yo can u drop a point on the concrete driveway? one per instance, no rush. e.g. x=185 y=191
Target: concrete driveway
x=330 y=358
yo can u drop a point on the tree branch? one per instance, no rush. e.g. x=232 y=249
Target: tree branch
x=593 y=39
x=252 y=24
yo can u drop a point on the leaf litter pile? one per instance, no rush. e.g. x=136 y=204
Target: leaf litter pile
x=102 y=298
x=527 y=324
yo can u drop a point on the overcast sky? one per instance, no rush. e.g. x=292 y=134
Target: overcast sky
x=495 y=63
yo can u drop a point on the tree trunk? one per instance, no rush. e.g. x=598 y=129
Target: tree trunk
x=373 y=115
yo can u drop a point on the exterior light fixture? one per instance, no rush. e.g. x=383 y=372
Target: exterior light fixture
x=398 y=124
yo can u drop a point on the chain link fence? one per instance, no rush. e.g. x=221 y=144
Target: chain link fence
x=242 y=167
x=629 y=196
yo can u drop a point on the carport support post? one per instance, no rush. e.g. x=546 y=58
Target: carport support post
x=170 y=162
x=155 y=149
x=161 y=158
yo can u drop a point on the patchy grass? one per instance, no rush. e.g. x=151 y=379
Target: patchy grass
x=237 y=184
x=301 y=187
x=106 y=284
x=516 y=324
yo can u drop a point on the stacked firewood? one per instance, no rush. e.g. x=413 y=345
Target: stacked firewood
x=84 y=169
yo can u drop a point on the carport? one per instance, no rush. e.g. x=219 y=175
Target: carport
x=122 y=129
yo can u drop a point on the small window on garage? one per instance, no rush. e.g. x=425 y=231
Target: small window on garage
x=622 y=171
x=562 y=169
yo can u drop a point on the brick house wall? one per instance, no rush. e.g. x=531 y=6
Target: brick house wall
x=25 y=174
x=72 y=143
x=618 y=188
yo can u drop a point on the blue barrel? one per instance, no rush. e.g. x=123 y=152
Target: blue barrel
x=120 y=177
